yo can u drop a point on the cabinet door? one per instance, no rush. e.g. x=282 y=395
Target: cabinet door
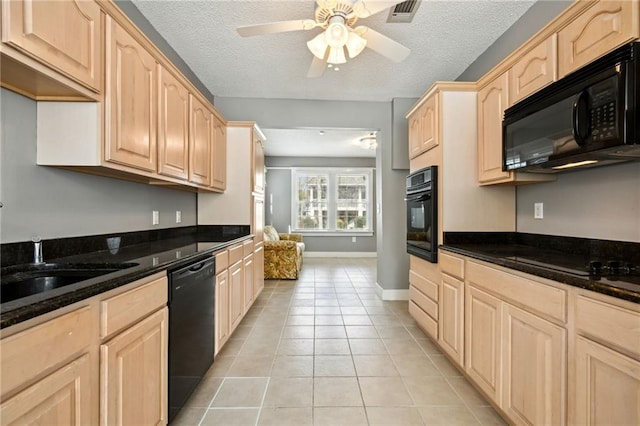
x=219 y=173
x=492 y=101
x=61 y=398
x=248 y=282
x=66 y=35
x=236 y=296
x=222 y=309
x=130 y=101
x=451 y=318
x=257 y=223
x=482 y=340
x=173 y=126
x=607 y=388
x=534 y=70
x=600 y=29
x=415 y=135
x=258 y=165
x=429 y=123
x=134 y=373
x=258 y=270
x=534 y=369
x=200 y=142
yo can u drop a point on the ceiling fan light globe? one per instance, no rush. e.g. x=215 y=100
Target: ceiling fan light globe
x=337 y=34
x=318 y=46
x=336 y=56
x=355 y=44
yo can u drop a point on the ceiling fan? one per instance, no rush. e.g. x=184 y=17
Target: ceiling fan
x=337 y=18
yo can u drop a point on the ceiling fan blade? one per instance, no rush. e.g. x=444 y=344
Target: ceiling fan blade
x=276 y=27
x=317 y=67
x=366 y=8
x=383 y=44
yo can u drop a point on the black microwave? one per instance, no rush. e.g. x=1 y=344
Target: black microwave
x=588 y=118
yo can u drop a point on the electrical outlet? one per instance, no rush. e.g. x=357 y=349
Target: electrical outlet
x=353 y=239
x=178 y=216
x=538 y=212
x=155 y=217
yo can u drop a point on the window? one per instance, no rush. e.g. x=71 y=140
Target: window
x=332 y=200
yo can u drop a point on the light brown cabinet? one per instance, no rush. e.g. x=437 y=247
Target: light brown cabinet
x=258 y=163
x=249 y=280
x=134 y=374
x=483 y=323
x=258 y=269
x=200 y=142
x=451 y=319
x=173 y=126
x=65 y=35
x=222 y=308
x=599 y=29
x=534 y=361
x=424 y=293
x=219 y=172
x=423 y=127
x=607 y=366
x=130 y=101
x=536 y=69
x=493 y=99
x=236 y=294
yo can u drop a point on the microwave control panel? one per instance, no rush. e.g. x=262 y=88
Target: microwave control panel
x=603 y=110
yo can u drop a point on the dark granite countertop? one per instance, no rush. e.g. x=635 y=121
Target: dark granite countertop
x=151 y=257
x=562 y=259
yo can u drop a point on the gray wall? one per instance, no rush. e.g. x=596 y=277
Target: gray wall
x=56 y=203
x=393 y=262
x=145 y=26
x=601 y=203
x=538 y=15
x=279 y=190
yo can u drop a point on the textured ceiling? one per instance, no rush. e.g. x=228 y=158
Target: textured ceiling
x=313 y=143
x=445 y=37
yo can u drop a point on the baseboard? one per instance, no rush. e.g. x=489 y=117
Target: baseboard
x=340 y=254
x=392 y=294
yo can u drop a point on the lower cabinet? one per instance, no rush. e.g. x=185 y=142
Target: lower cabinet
x=236 y=294
x=451 y=324
x=222 y=309
x=258 y=270
x=607 y=388
x=482 y=340
x=248 y=281
x=61 y=398
x=534 y=369
x=134 y=374
x=424 y=290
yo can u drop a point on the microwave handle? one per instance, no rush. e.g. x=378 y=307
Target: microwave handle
x=580 y=119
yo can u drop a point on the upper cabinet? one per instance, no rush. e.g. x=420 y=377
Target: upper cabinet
x=599 y=29
x=219 y=173
x=534 y=70
x=423 y=126
x=130 y=101
x=200 y=142
x=66 y=35
x=492 y=101
x=173 y=126
x=258 y=162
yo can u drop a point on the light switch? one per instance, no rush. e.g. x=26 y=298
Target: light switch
x=538 y=212
x=178 y=216
x=155 y=217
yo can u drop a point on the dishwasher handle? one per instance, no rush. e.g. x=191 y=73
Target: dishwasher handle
x=189 y=275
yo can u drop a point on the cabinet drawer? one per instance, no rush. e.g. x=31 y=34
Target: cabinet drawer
x=222 y=261
x=428 y=324
x=425 y=303
x=235 y=254
x=247 y=247
x=23 y=358
x=452 y=265
x=124 y=309
x=609 y=323
x=424 y=285
x=541 y=298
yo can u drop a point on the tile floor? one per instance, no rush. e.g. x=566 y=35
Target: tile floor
x=326 y=350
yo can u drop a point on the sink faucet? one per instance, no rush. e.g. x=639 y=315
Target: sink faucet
x=37 y=250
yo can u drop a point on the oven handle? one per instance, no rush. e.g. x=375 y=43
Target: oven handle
x=422 y=197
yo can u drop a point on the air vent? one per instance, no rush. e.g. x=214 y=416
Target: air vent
x=403 y=12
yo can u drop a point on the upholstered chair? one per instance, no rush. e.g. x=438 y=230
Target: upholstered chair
x=283 y=254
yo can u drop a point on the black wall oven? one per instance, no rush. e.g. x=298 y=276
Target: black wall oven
x=422 y=213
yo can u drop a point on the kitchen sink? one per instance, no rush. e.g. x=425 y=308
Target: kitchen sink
x=33 y=279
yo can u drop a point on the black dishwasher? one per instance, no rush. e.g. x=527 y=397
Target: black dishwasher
x=191 y=329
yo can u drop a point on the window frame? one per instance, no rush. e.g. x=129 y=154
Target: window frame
x=332 y=199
